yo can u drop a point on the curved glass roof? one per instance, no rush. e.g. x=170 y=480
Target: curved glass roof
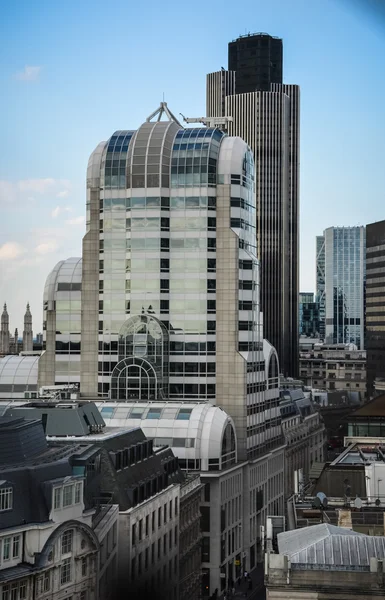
x=65 y=276
x=18 y=374
x=193 y=430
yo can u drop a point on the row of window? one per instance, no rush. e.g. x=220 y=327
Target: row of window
x=9 y=548
x=14 y=591
x=129 y=456
x=142 y=561
x=241 y=224
x=192 y=368
x=253 y=388
x=142 y=528
x=67 y=571
x=192 y=390
x=165 y=243
x=67 y=495
x=259 y=407
x=250 y=346
x=155 y=485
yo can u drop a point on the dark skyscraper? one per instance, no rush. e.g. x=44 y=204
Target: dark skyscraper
x=375 y=299
x=257 y=60
x=265 y=113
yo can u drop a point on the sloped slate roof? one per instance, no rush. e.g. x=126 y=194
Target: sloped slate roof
x=330 y=545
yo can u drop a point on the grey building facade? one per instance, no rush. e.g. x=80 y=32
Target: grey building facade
x=267 y=118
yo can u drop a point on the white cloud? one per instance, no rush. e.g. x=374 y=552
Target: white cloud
x=29 y=73
x=16 y=191
x=11 y=250
x=59 y=210
x=63 y=194
x=46 y=247
x=76 y=221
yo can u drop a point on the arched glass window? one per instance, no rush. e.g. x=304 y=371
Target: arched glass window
x=142 y=371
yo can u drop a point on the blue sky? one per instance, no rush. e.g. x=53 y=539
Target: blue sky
x=74 y=72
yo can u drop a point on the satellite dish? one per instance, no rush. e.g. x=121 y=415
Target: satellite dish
x=323 y=499
x=316 y=502
x=358 y=503
x=378 y=502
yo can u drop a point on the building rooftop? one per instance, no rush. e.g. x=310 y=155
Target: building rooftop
x=326 y=544
x=61 y=418
x=374 y=408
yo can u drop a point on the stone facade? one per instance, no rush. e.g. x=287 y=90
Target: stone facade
x=285 y=581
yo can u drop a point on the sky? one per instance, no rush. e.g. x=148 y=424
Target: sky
x=71 y=73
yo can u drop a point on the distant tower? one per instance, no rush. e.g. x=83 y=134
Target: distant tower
x=4 y=333
x=14 y=346
x=27 y=333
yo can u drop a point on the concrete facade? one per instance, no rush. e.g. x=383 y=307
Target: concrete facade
x=334 y=367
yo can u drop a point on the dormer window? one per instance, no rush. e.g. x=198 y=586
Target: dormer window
x=6 y=498
x=67 y=495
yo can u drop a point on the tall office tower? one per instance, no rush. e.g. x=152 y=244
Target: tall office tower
x=4 y=332
x=257 y=60
x=170 y=282
x=27 y=333
x=344 y=285
x=269 y=122
x=374 y=306
x=320 y=283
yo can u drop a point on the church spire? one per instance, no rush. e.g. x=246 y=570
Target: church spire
x=4 y=332
x=27 y=333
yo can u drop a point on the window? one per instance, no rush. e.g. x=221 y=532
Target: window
x=170 y=539
x=83 y=595
x=67 y=495
x=66 y=542
x=159 y=517
x=22 y=590
x=140 y=529
x=153 y=521
x=84 y=566
x=78 y=487
x=159 y=547
x=6 y=497
x=16 y=546
x=57 y=498
x=170 y=509
x=45 y=582
x=176 y=506
x=7 y=548
x=133 y=534
x=5 y=594
x=165 y=514
x=65 y=571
